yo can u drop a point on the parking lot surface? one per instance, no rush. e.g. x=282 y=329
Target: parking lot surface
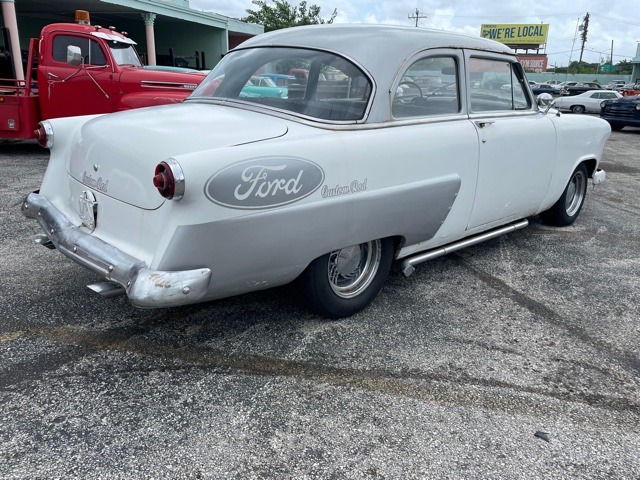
x=517 y=358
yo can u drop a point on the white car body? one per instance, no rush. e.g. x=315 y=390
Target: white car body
x=585 y=102
x=334 y=183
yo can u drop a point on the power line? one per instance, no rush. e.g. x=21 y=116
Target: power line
x=616 y=20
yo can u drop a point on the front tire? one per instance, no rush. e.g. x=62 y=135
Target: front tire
x=345 y=281
x=565 y=211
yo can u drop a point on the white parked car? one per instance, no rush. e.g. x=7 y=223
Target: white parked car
x=590 y=101
x=224 y=194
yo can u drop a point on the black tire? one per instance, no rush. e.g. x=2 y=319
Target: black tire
x=565 y=211
x=577 y=109
x=345 y=281
x=616 y=127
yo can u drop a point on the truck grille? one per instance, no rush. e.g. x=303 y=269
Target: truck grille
x=615 y=111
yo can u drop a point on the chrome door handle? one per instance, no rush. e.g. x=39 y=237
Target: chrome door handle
x=484 y=123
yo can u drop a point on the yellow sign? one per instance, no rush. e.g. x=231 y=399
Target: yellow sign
x=517 y=33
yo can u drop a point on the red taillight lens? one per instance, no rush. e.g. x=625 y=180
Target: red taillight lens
x=163 y=180
x=44 y=134
x=169 y=180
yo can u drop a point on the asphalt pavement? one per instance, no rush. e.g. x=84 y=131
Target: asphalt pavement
x=514 y=359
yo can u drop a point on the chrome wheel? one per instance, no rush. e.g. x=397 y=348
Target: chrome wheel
x=566 y=209
x=351 y=270
x=575 y=193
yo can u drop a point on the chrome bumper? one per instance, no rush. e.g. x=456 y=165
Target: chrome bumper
x=145 y=288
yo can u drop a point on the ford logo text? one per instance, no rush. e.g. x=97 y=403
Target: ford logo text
x=265 y=182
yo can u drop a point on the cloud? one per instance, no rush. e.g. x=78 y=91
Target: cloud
x=612 y=20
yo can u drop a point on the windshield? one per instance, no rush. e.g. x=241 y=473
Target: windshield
x=124 y=54
x=319 y=84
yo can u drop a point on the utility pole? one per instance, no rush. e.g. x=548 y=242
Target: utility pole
x=417 y=16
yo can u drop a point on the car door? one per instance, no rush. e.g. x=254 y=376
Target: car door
x=76 y=90
x=517 y=145
x=435 y=146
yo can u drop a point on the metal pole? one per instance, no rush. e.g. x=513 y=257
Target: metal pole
x=11 y=22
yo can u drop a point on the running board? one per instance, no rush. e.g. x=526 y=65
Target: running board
x=408 y=264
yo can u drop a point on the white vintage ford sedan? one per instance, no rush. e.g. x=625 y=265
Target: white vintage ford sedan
x=388 y=146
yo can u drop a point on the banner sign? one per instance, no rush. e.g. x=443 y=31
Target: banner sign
x=534 y=63
x=517 y=33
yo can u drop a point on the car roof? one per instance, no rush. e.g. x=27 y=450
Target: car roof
x=375 y=47
x=376 y=43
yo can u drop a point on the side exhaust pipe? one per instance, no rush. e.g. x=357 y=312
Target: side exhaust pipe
x=408 y=264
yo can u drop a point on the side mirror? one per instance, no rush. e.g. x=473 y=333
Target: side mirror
x=545 y=102
x=74 y=55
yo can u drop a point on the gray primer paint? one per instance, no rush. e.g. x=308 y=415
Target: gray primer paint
x=269 y=248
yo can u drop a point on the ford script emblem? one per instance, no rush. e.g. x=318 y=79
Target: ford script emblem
x=265 y=182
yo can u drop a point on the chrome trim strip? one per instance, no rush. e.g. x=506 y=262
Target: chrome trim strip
x=408 y=264
x=170 y=85
x=145 y=288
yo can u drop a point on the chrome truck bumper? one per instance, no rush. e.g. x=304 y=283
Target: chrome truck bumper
x=145 y=288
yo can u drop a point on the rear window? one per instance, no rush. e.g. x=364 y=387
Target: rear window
x=319 y=84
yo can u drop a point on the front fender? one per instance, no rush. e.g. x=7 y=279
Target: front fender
x=573 y=149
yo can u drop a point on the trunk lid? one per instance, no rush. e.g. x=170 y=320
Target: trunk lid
x=117 y=153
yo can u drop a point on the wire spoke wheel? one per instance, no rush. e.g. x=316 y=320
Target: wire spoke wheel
x=352 y=269
x=345 y=281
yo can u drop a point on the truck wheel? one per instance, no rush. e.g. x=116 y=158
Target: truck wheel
x=577 y=109
x=345 y=281
x=616 y=127
x=566 y=209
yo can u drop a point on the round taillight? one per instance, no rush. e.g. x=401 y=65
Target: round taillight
x=169 y=179
x=44 y=134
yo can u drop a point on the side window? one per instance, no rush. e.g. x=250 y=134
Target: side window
x=91 y=51
x=497 y=85
x=428 y=87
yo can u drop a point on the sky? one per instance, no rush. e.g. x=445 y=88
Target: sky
x=617 y=20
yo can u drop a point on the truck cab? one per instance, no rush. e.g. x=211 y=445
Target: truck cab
x=82 y=69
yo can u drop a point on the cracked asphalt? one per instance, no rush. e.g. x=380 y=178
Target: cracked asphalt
x=514 y=359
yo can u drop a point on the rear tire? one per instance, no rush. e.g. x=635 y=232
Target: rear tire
x=565 y=211
x=345 y=281
x=577 y=109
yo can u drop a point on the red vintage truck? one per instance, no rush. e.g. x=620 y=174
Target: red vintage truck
x=82 y=69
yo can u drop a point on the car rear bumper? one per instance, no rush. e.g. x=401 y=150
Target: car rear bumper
x=145 y=288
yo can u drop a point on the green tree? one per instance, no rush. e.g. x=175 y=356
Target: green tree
x=282 y=15
x=583 y=35
x=624 y=67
